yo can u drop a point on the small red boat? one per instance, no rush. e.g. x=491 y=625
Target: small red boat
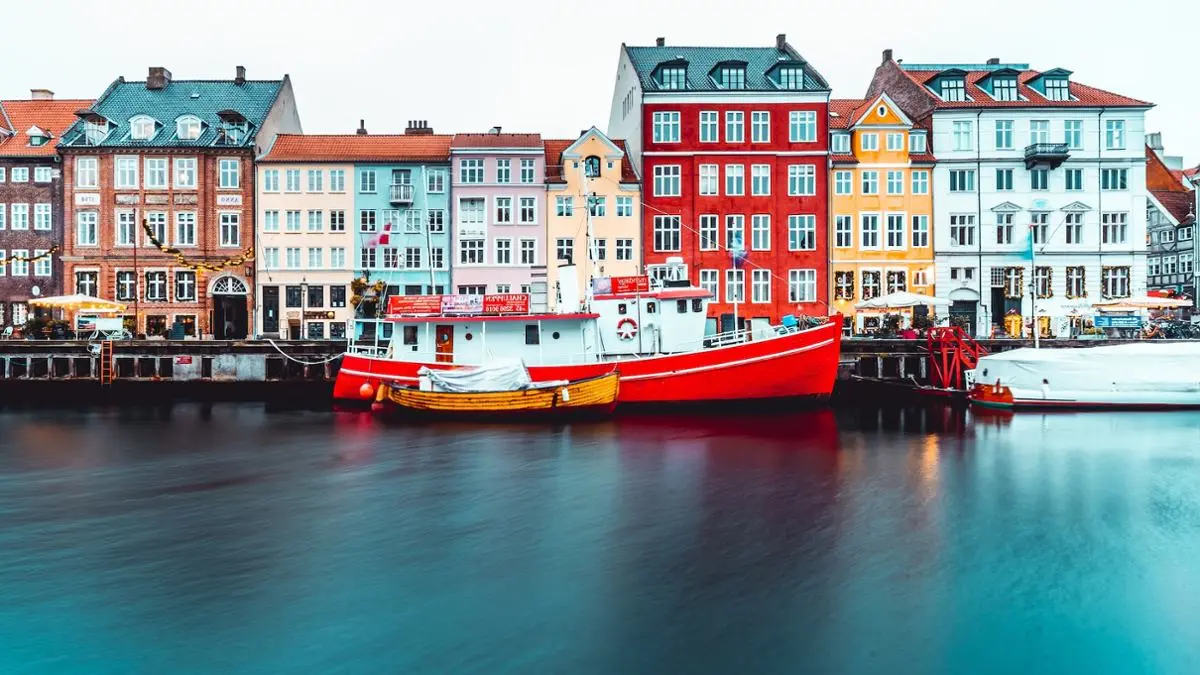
x=656 y=336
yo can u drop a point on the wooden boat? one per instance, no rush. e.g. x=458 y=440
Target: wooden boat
x=594 y=396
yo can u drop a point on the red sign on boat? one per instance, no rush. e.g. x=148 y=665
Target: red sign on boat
x=414 y=304
x=631 y=284
x=506 y=303
x=462 y=304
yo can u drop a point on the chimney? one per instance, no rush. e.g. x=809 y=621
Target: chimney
x=780 y=41
x=660 y=42
x=887 y=55
x=994 y=61
x=494 y=130
x=362 y=128
x=418 y=128
x=158 y=78
x=41 y=94
x=1154 y=141
x=241 y=76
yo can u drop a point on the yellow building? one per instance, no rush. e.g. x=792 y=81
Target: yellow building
x=881 y=206
x=597 y=166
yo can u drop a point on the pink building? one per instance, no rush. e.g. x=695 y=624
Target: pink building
x=498 y=194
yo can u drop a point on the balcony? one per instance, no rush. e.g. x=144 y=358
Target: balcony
x=402 y=194
x=1045 y=155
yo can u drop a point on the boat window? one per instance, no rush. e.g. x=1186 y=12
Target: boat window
x=532 y=336
x=388 y=329
x=554 y=335
x=621 y=308
x=651 y=307
x=681 y=306
x=467 y=337
x=697 y=305
x=410 y=335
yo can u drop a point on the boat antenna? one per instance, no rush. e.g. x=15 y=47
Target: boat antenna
x=591 y=264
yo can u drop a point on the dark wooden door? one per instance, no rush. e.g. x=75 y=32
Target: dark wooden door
x=445 y=344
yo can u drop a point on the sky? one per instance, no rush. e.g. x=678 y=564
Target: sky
x=548 y=67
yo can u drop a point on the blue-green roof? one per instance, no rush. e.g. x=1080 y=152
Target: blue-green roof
x=701 y=60
x=203 y=98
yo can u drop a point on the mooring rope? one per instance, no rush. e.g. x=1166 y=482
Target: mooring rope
x=306 y=363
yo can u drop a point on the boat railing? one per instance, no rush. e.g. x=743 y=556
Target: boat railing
x=371 y=337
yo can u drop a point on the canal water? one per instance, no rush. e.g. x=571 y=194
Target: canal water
x=233 y=539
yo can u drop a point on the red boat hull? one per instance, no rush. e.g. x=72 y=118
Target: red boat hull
x=801 y=364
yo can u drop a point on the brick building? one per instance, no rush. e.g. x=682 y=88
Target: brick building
x=31 y=200
x=176 y=158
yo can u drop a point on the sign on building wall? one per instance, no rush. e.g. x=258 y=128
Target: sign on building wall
x=87 y=199
x=229 y=200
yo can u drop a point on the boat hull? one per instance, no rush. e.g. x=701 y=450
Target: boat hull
x=793 y=365
x=992 y=397
x=593 y=397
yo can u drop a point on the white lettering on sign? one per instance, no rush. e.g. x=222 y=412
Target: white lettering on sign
x=229 y=200
x=87 y=199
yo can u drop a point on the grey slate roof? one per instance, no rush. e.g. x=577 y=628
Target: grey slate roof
x=202 y=98
x=701 y=61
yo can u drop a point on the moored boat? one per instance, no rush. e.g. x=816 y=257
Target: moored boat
x=1144 y=375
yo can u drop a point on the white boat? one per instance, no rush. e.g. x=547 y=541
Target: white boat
x=1153 y=375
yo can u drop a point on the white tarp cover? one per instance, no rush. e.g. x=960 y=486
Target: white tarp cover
x=1140 y=368
x=899 y=300
x=506 y=375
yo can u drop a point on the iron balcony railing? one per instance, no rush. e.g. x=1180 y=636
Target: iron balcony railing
x=402 y=193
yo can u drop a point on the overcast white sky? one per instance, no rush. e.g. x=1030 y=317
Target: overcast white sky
x=548 y=66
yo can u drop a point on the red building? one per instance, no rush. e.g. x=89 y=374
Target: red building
x=732 y=145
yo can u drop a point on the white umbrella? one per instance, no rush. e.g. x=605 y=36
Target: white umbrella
x=901 y=299
x=1141 y=302
x=79 y=302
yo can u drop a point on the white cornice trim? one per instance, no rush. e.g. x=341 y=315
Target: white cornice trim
x=788 y=96
x=733 y=153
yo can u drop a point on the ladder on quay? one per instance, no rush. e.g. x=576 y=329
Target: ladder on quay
x=106 y=362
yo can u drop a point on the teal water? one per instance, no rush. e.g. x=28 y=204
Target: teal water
x=230 y=539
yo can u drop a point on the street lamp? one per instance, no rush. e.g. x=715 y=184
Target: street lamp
x=303 y=305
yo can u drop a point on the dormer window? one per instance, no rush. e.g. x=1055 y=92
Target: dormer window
x=1057 y=90
x=37 y=137
x=916 y=142
x=954 y=89
x=187 y=128
x=142 y=128
x=591 y=167
x=1004 y=89
x=673 y=77
x=95 y=132
x=732 y=77
x=791 y=77
x=841 y=143
x=233 y=129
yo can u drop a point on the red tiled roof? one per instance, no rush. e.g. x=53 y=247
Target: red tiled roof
x=1179 y=204
x=359 y=148
x=497 y=141
x=1084 y=96
x=52 y=115
x=554 y=165
x=1189 y=173
x=843 y=112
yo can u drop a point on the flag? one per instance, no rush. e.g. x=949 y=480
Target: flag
x=737 y=251
x=1027 y=243
x=382 y=238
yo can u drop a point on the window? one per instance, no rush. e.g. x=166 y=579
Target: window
x=127 y=173
x=843 y=231
x=316 y=181
x=920 y=182
x=470 y=251
x=963 y=135
x=142 y=128
x=270 y=221
x=870 y=182
x=337 y=258
x=367 y=220
x=1153 y=266
x=843 y=285
x=840 y=144
x=1004 y=229
x=20 y=175
x=1168 y=264
x=1114 y=228
x=963 y=273
x=41 y=266
x=1039 y=179
x=732 y=77
x=504 y=213
x=1185 y=234
x=962 y=229
x=1167 y=236
x=1074 y=227
x=1004 y=180
x=564 y=249
x=20 y=217
x=920 y=231
x=1114 y=135
x=917 y=142
x=229 y=175
x=471 y=214
x=503 y=252
x=708 y=233
x=1185 y=262
x=895 y=141
x=126 y=286
x=791 y=77
x=760 y=179
x=672 y=78
x=293 y=221
x=897 y=281
x=709 y=282
x=708 y=127
x=802 y=179
x=1074 y=179
x=231 y=229
x=591 y=166
x=20 y=266
x=316 y=220
x=842 y=182
x=1075 y=283
x=185 y=172
x=156 y=221
x=1114 y=179
x=86 y=172
x=1040 y=227
x=435 y=180
x=708 y=180
x=760 y=232
x=337 y=221
x=597 y=206
x=869 y=227
x=1004 y=89
x=156 y=286
x=293 y=257
x=735 y=126
x=735 y=231
x=42 y=217
x=187 y=128
x=528 y=251
x=527 y=170
x=760 y=286
x=1039 y=131
x=895 y=230
x=316 y=258
x=85 y=284
x=953 y=90
x=962 y=180
x=185 y=286
x=895 y=182
x=868 y=141
x=802 y=233
x=367 y=258
x=1073 y=131
x=735 y=179
x=624 y=249
x=86 y=227
x=666 y=127
x=802 y=285
x=528 y=210
x=624 y=207
x=666 y=180
x=666 y=233
x=366 y=181
x=1115 y=282
x=802 y=128
x=735 y=285
x=598 y=250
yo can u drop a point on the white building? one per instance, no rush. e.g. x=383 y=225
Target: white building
x=1025 y=153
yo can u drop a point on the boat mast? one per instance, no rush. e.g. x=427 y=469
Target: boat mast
x=588 y=196
x=1033 y=284
x=428 y=234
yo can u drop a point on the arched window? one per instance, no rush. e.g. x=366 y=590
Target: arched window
x=142 y=128
x=188 y=128
x=591 y=167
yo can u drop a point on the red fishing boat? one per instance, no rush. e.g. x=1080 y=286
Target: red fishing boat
x=655 y=333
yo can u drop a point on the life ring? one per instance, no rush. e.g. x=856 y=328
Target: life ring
x=627 y=329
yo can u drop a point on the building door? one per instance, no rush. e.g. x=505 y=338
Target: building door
x=270 y=310
x=962 y=313
x=230 y=317
x=444 y=336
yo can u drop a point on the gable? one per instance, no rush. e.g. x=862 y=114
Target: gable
x=891 y=115
x=593 y=142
